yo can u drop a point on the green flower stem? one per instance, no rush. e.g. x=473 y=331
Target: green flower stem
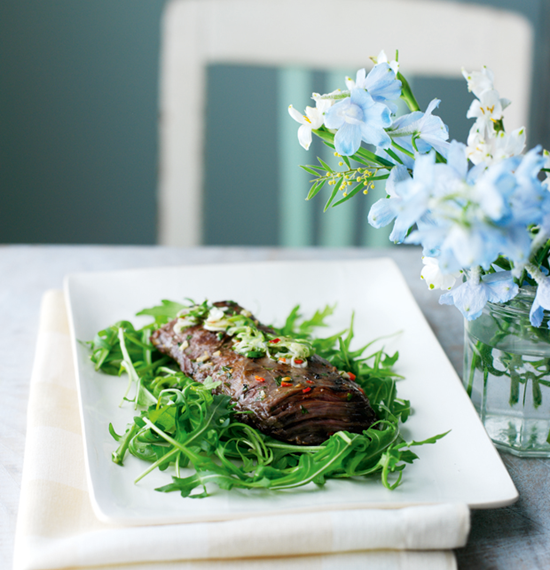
x=514 y=384
x=374 y=158
x=535 y=273
x=542 y=253
x=328 y=138
x=485 y=382
x=536 y=391
x=407 y=94
x=473 y=366
x=401 y=149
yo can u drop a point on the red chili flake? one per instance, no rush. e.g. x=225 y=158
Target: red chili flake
x=259 y=379
x=310 y=381
x=306 y=390
x=275 y=340
x=352 y=376
x=361 y=389
x=282 y=359
x=298 y=361
x=287 y=384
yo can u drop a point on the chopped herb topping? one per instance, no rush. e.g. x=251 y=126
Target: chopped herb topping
x=254 y=354
x=249 y=340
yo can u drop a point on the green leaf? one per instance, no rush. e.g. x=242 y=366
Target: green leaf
x=290 y=321
x=325 y=135
x=325 y=165
x=309 y=170
x=163 y=313
x=335 y=189
x=315 y=189
x=394 y=156
x=164 y=417
x=373 y=158
x=317 y=320
x=350 y=195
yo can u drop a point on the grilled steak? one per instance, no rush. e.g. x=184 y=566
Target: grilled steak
x=300 y=405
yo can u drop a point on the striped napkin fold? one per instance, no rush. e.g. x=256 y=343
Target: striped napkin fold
x=57 y=528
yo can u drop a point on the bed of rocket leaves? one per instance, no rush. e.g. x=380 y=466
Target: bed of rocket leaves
x=182 y=427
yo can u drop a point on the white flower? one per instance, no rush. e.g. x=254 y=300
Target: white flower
x=435 y=279
x=479 y=81
x=383 y=58
x=508 y=144
x=487 y=109
x=313 y=119
x=359 y=82
x=486 y=145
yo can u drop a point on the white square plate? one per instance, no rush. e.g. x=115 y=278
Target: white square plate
x=462 y=467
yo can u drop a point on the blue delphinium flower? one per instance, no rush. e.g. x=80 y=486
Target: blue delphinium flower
x=408 y=198
x=472 y=296
x=381 y=84
x=531 y=200
x=358 y=118
x=427 y=130
x=473 y=218
x=542 y=296
x=540 y=303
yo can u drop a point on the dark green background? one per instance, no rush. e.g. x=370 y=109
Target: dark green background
x=78 y=125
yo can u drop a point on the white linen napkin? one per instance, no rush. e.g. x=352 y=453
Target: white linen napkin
x=57 y=528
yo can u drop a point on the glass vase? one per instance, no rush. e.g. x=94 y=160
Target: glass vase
x=507 y=375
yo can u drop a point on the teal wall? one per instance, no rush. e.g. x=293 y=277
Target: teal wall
x=78 y=120
x=78 y=131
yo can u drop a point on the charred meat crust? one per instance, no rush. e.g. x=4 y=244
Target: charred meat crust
x=318 y=402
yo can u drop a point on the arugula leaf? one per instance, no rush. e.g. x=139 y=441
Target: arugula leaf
x=163 y=313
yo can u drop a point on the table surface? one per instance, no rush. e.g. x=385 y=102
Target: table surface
x=514 y=537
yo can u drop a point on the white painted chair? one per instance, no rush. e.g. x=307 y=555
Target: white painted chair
x=435 y=38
